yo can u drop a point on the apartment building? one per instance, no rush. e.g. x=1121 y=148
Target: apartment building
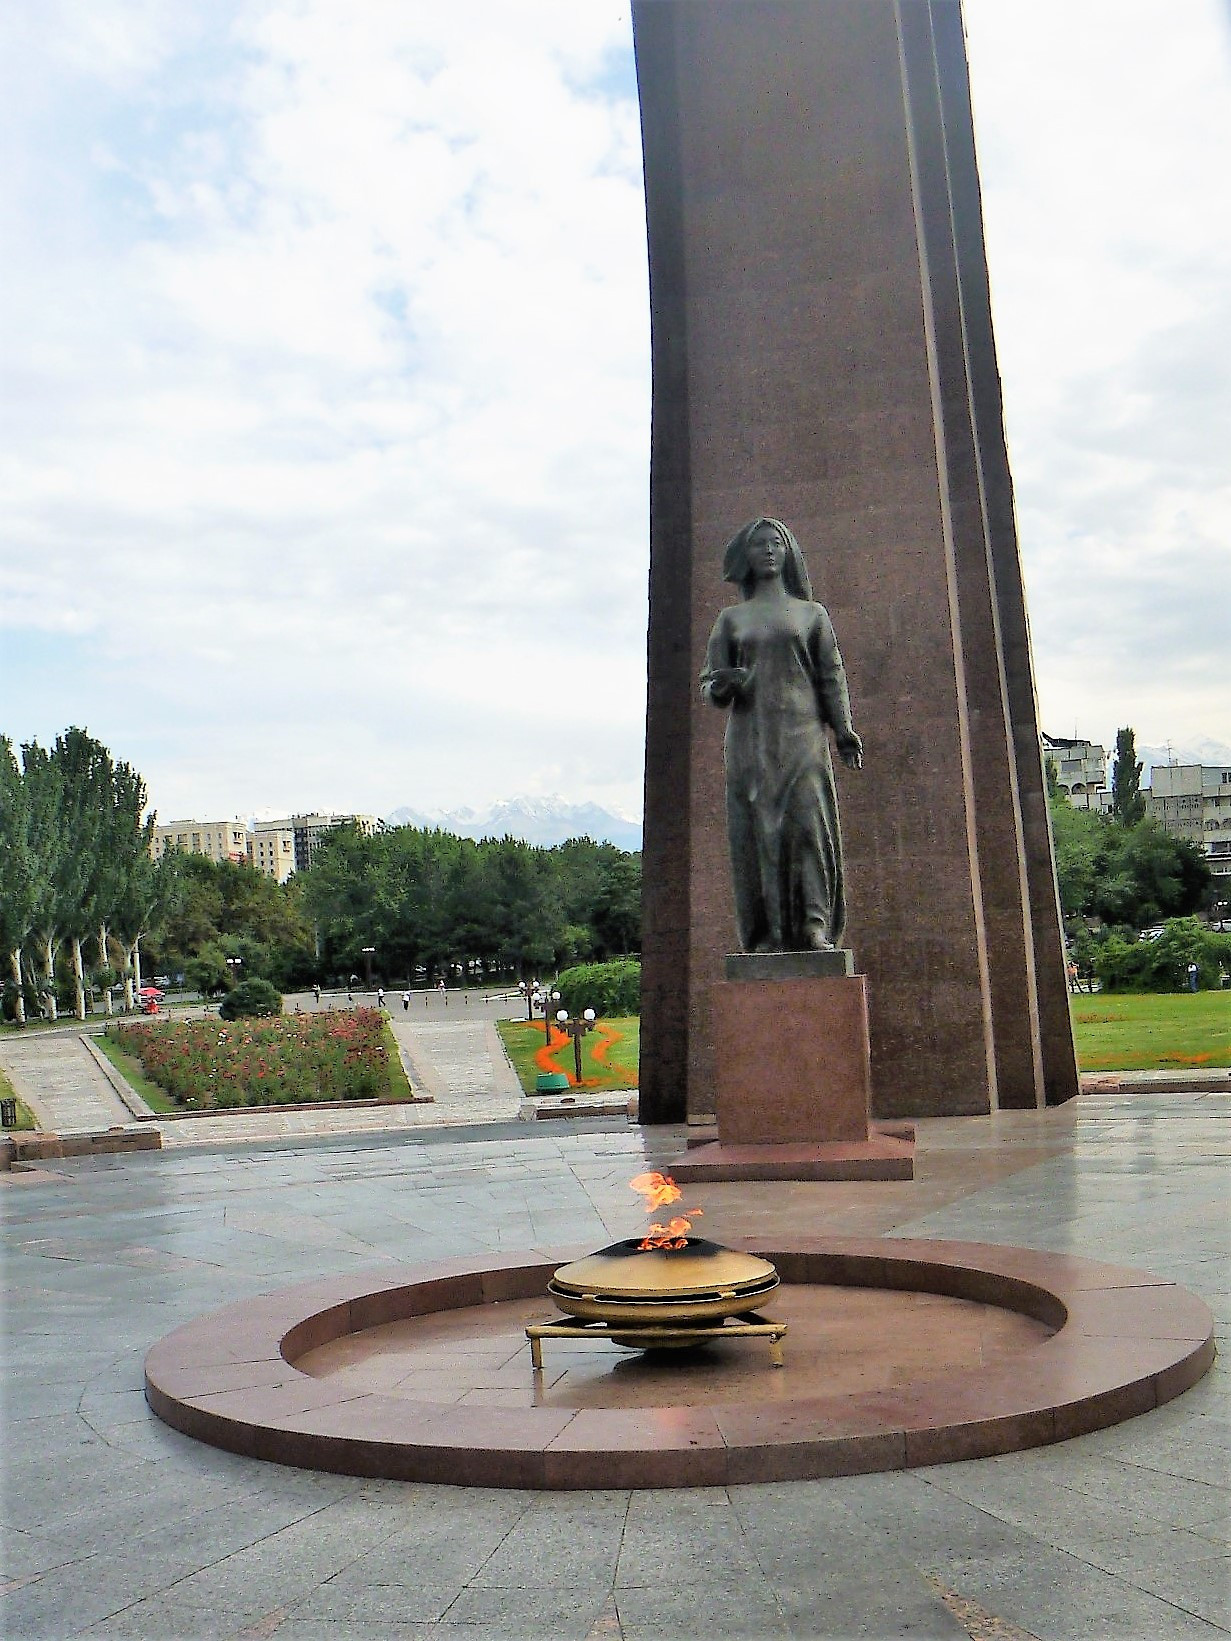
x=310 y=829
x=271 y=849
x=276 y=848
x=219 y=839
x=1193 y=801
x=1081 y=768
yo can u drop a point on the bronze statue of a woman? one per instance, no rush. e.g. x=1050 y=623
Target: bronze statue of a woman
x=774 y=660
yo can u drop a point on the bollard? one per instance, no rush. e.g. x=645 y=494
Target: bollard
x=8 y=1113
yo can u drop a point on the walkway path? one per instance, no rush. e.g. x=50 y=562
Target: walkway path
x=450 y=1047
x=58 y=1078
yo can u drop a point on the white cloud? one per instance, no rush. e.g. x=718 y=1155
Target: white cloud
x=345 y=409
x=1111 y=279
x=326 y=443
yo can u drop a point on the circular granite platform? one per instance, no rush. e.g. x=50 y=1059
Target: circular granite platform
x=898 y=1353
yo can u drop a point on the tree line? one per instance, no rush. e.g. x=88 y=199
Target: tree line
x=1121 y=870
x=84 y=905
x=433 y=903
x=75 y=870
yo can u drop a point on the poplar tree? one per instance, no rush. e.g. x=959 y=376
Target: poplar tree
x=1127 y=804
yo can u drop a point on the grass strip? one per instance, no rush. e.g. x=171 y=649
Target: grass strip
x=25 y=1117
x=399 y=1082
x=134 y=1075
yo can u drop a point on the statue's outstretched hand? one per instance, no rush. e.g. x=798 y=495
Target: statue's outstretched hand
x=850 y=750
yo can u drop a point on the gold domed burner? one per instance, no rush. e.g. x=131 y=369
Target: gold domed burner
x=662 y=1298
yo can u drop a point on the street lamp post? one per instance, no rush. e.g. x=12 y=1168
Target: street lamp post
x=235 y=964
x=576 y=1029
x=548 y=998
x=369 y=952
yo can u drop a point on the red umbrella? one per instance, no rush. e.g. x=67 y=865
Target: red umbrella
x=150 y=991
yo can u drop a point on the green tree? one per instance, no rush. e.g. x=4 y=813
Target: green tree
x=208 y=970
x=18 y=873
x=617 y=907
x=43 y=783
x=124 y=851
x=86 y=793
x=428 y=899
x=1127 y=876
x=1149 y=875
x=1127 y=803
x=1079 y=838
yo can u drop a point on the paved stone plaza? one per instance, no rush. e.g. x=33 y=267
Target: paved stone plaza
x=118 y=1526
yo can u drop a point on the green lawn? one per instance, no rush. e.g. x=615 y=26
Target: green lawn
x=618 y=1043
x=1152 y=1031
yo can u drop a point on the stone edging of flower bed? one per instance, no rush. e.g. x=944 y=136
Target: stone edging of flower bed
x=142 y=1113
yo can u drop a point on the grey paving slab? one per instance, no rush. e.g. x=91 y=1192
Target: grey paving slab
x=897 y=1602
x=1058 y=1597
x=115 y=1525
x=727 y=1604
x=62 y=1083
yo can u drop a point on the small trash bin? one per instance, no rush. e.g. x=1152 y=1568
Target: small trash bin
x=550 y=1082
x=8 y=1113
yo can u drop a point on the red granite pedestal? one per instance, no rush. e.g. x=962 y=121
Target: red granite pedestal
x=793 y=1085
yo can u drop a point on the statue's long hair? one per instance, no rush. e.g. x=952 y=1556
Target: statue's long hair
x=735 y=566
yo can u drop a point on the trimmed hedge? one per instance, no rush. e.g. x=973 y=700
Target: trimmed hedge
x=251 y=1000
x=609 y=989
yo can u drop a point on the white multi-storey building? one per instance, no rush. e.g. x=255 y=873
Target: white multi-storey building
x=276 y=848
x=219 y=839
x=271 y=849
x=1193 y=801
x=1081 y=769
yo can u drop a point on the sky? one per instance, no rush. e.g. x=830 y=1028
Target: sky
x=324 y=471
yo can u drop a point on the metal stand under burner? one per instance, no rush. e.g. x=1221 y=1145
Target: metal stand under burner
x=649 y=1336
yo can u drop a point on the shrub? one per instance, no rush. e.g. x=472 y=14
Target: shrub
x=607 y=988
x=251 y=1000
x=1162 y=964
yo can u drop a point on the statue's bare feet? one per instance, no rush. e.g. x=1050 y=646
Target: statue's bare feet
x=817 y=941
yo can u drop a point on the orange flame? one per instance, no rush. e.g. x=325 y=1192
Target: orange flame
x=660 y=1190
x=657 y=1189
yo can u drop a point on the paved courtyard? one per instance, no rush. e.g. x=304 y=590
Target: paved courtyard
x=118 y=1526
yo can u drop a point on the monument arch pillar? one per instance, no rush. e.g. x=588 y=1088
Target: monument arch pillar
x=823 y=354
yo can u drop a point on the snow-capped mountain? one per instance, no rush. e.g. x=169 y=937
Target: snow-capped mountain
x=544 y=821
x=1192 y=752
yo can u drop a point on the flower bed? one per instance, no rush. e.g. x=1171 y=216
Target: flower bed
x=215 y=1065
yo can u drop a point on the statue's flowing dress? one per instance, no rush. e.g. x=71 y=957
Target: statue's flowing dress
x=782 y=803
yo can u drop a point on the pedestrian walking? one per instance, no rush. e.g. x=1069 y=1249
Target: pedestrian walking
x=405 y=1002
x=316 y=993
x=380 y=997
